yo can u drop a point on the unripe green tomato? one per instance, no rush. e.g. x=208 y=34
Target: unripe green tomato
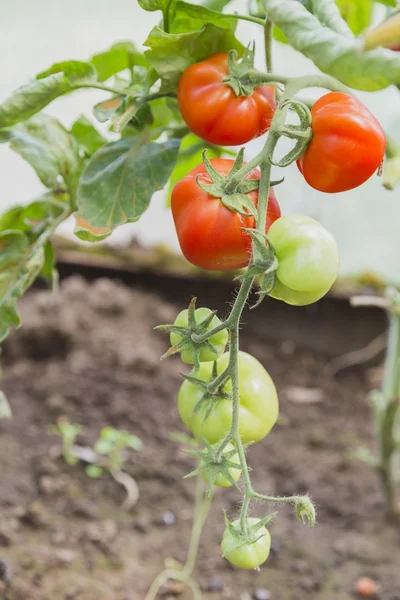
x=221 y=480
x=308 y=259
x=249 y=556
x=219 y=340
x=258 y=409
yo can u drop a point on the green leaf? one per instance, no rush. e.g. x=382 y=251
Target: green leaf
x=133 y=442
x=5 y=410
x=152 y=5
x=50 y=149
x=190 y=156
x=103 y=447
x=392 y=3
x=73 y=70
x=19 y=266
x=328 y=14
x=24 y=253
x=119 y=181
x=189 y=17
x=32 y=218
x=356 y=13
x=103 y=111
x=171 y=54
x=333 y=53
x=123 y=110
x=119 y=57
x=217 y=5
x=94 y=472
x=162 y=114
x=87 y=135
x=49 y=85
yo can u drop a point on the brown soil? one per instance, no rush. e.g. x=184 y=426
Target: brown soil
x=90 y=354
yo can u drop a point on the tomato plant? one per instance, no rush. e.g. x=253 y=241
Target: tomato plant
x=210 y=417
x=308 y=260
x=219 y=111
x=200 y=218
x=193 y=91
x=347 y=147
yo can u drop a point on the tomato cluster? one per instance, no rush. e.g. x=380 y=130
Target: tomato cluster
x=346 y=148
x=215 y=216
x=208 y=414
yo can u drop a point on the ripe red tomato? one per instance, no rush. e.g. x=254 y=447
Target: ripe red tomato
x=213 y=111
x=211 y=235
x=347 y=146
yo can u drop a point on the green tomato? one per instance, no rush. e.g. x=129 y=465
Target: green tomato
x=249 y=556
x=221 y=480
x=219 y=340
x=308 y=259
x=258 y=410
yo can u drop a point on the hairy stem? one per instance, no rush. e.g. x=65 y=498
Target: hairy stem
x=97 y=86
x=386 y=415
x=268 y=27
x=244 y=18
x=202 y=507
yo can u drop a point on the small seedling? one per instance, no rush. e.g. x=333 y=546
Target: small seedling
x=108 y=455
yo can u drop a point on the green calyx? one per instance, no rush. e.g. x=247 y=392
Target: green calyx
x=186 y=334
x=242 y=78
x=251 y=535
x=213 y=391
x=233 y=194
x=239 y=78
x=213 y=467
x=305 y=510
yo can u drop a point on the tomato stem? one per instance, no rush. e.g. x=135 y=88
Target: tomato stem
x=244 y=18
x=202 y=507
x=386 y=414
x=268 y=27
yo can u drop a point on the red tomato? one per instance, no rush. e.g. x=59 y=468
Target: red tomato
x=347 y=146
x=210 y=234
x=212 y=110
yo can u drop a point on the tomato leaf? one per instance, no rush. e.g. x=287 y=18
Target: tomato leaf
x=392 y=3
x=152 y=5
x=333 y=53
x=118 y=183
x=217 y=5
x=190 y=17
x=34 y=218
x=87 y=135
x=50 y=149
x=356 y=13
x=328 y=14
x=171 y=54
x=103 y=111
x=121 y=56
x=49 y=85
x=19 y=266
x=24 y=252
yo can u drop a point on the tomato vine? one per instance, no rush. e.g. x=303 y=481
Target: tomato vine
x=166 y=125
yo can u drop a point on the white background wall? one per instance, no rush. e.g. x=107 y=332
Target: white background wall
x=365 y=221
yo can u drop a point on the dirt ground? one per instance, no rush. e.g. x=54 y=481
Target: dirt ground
x=90 y=354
